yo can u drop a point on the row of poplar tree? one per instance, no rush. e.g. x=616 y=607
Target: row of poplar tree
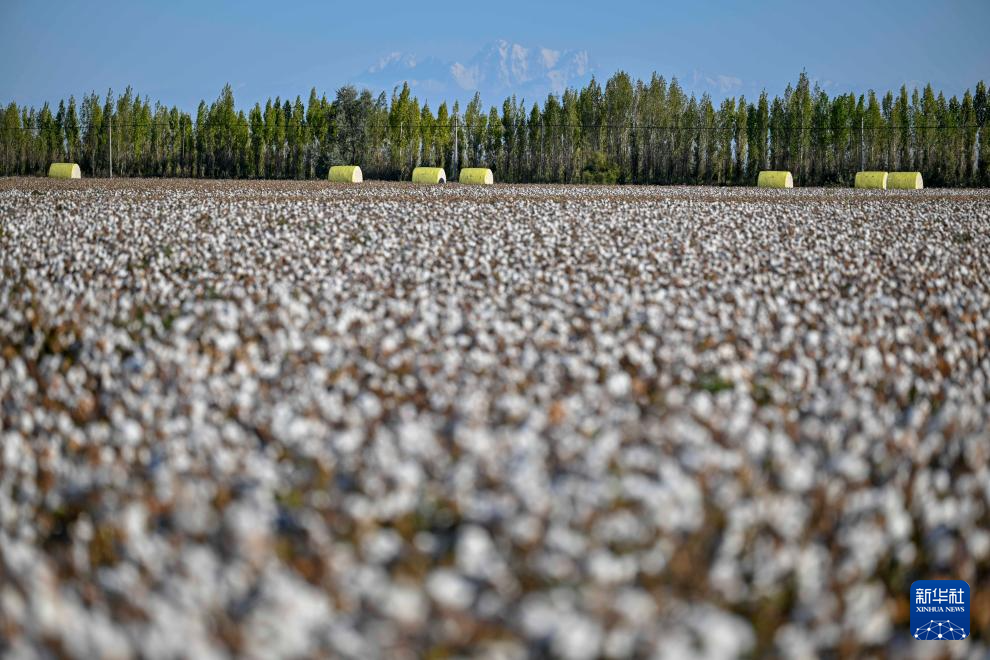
x=629 y=132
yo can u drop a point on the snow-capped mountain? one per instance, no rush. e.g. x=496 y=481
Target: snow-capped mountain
x=498 y=70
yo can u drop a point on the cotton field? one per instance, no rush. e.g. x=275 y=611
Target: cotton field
x=287 y=419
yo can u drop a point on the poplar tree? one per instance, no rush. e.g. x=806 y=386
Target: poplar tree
x=630 y=131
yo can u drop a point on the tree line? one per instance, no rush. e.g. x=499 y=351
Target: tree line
x=630 y=131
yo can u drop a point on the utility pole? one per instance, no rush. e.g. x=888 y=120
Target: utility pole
x=111 y=145
x=453 y=160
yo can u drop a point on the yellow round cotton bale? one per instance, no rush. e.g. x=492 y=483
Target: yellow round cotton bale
x=64 y=171
x=429 y=175
x=875 y=180
x=345 y=174
x=772 y=179
x=905 y=181
x=481 y=176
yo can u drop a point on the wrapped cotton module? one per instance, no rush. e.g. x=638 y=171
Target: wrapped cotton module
x=905 y=181
x=64 y=171
x=345 y=174
x=772 y=179
x=429 y=175
x=476 y=176
x=874 y=180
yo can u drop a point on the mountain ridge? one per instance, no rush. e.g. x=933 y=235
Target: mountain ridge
x=499 y=69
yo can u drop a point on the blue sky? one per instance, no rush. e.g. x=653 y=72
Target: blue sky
x=183 y=51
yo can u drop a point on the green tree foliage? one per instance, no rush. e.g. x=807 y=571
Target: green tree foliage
x=981 y=110
x=625 y=131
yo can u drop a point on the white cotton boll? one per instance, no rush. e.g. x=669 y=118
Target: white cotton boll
x=449 y=589
x=866 y=616
x=577 y=638
x=618 y=384
x=381 y=546
x=406 y=604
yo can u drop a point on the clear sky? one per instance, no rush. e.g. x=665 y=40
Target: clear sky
x=181 y=51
